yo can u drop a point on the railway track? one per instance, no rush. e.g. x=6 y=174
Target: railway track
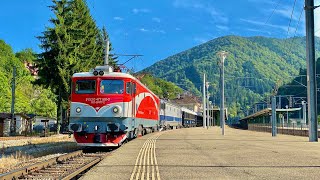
x=67 y=166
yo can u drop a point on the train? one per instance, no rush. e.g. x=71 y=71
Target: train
x=108 y=108
x=173 y=116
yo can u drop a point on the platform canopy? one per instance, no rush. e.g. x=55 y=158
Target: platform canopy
x=268 y=111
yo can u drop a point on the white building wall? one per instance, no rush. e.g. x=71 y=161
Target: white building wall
x=6 y=127
x=20 y=124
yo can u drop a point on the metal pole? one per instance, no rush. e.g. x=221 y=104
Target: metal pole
x=208 y=108
x=304 y=112
x=273 y=116
x=222 y=95
x=106 y=57
x=222 y=56
x=311 y=71
x=204 y=100
x=279 y=105
x=13 y=92
x=210 y=112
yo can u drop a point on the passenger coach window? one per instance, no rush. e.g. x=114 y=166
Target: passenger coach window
x=111 y=86
x=85 y=87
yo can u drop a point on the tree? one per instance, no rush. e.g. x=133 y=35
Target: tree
x=71 y=45
x=26 y=55
x=102 y=38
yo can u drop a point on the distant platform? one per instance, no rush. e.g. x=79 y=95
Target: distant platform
x=198 y=153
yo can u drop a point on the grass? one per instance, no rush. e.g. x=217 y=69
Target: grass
x=34 y=141
x=12 y=161
x=50 y=139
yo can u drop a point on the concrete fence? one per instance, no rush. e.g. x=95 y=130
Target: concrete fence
x=289 y=129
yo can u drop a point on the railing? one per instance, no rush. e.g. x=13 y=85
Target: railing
x=296 y=129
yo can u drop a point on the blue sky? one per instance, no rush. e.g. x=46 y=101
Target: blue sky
x=158 y=29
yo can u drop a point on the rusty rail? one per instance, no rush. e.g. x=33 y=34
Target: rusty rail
x=63 y=167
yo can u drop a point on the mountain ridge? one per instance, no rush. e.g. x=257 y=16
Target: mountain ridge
x=253 y=67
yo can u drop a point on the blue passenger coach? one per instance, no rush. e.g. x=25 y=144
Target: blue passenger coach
x=170 y=115
x=189 y=118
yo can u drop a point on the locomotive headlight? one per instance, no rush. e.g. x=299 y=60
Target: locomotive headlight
x=101 y=73
x=78 y=109
x=95 y=73
x=116 y=109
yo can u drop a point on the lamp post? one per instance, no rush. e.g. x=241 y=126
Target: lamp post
x=208 y=115
x=287 y=114
x=222 y=55
x=304 y=112
x=204 y=100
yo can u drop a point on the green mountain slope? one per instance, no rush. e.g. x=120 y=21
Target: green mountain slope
x=162 y=88
x=253 y=67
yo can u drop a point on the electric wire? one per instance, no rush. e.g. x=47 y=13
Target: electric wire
x=298 y=22
x=292 y=42
x=274 y=9
x=294 y=4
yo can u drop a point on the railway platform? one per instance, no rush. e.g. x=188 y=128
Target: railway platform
x=198 y=153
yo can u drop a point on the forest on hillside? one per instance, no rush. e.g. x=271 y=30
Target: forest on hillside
x=73 y=43
x=253 y=67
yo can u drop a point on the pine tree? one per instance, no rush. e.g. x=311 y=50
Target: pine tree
x=102 y=38
x=71 y=45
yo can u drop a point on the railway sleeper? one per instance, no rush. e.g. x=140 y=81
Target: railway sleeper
x=52 y=171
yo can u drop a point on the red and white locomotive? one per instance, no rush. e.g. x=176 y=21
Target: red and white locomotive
x=109 y=107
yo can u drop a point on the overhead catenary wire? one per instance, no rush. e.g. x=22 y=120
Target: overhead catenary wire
x=274 y=9
x=292 y=42
x=298 y=22
x=294 y=4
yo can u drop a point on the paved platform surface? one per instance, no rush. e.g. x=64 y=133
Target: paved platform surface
x=197 y=153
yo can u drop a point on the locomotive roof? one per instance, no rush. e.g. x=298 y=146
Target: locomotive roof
x=111 y=74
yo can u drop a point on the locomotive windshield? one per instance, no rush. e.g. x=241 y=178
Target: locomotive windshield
x=85 y=87
x=111 y=86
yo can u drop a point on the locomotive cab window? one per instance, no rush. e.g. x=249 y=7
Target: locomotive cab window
x=85 y=87
x=112 y=86
x=128 y=87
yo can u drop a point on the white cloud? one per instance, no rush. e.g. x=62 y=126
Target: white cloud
x=152 y=30
x=263 y=2
x=178 y=29
x=286 y=12
x=200 y=40
x=136 y=11
x=159 y=31
x=201 y=6
x=259 y=23
x=143 y=30
x=259 y=31
x=155 y=19
x=118 y=18
x=221 y=27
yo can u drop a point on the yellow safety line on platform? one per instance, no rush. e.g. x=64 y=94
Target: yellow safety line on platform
x=145 y=159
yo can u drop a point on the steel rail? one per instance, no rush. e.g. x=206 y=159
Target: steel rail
x=80 y=170
x=15 y=174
